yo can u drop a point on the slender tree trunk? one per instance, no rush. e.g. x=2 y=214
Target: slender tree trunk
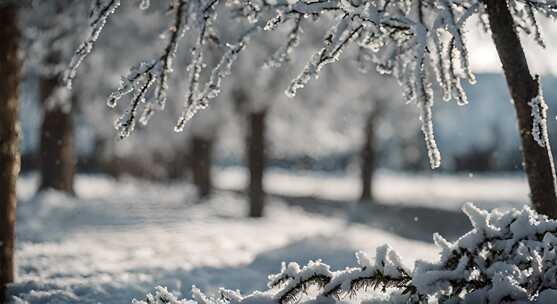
x=10 y=71
x=537 y=160
x=57 y=156
x=201 y=151
x=368 y=159
x=256 y=162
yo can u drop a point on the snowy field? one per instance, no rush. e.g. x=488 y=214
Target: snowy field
x=120 y=239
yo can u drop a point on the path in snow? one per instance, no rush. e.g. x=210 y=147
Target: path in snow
x=411 y=206
x=122 y=238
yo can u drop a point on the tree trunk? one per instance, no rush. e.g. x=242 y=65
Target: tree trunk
x=201 y=151
x=368 y=159
x=10 y=69
x=256 y=162
x=57 y=157
x=537 y=160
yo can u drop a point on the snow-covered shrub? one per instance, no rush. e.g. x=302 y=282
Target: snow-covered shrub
x=161 y=296
x=508 y=257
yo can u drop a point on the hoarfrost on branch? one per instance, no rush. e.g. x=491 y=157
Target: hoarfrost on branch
x=422 y=43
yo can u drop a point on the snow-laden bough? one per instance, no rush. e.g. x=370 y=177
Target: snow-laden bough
x=509 y=256
x=422 y=43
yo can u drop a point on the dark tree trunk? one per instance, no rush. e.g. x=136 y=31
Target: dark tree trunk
x=57 y=157
x=537 y=160
x=201 y=152
x=10 y=71
x=256 y=162
x=367 y=156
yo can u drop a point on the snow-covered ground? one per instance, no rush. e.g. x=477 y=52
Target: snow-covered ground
x=120 y=239
x=447 y=192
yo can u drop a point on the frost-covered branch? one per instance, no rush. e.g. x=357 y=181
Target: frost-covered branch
x=177 y=31
x=421 y=43
x=400 y=36
x=155 y=71
x=283 y=54
x=199 y=16
x=101 y=11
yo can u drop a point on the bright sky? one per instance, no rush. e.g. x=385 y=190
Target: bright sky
x=483 y=55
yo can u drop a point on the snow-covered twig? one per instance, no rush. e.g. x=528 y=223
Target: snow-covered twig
x=102 y=10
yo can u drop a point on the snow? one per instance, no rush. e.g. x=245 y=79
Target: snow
x=420 y=190
x=120 y=239
x=539 y=116
x=504 y=252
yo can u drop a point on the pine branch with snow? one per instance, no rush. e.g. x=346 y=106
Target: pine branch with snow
x=508 y=257
x=161 y=296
